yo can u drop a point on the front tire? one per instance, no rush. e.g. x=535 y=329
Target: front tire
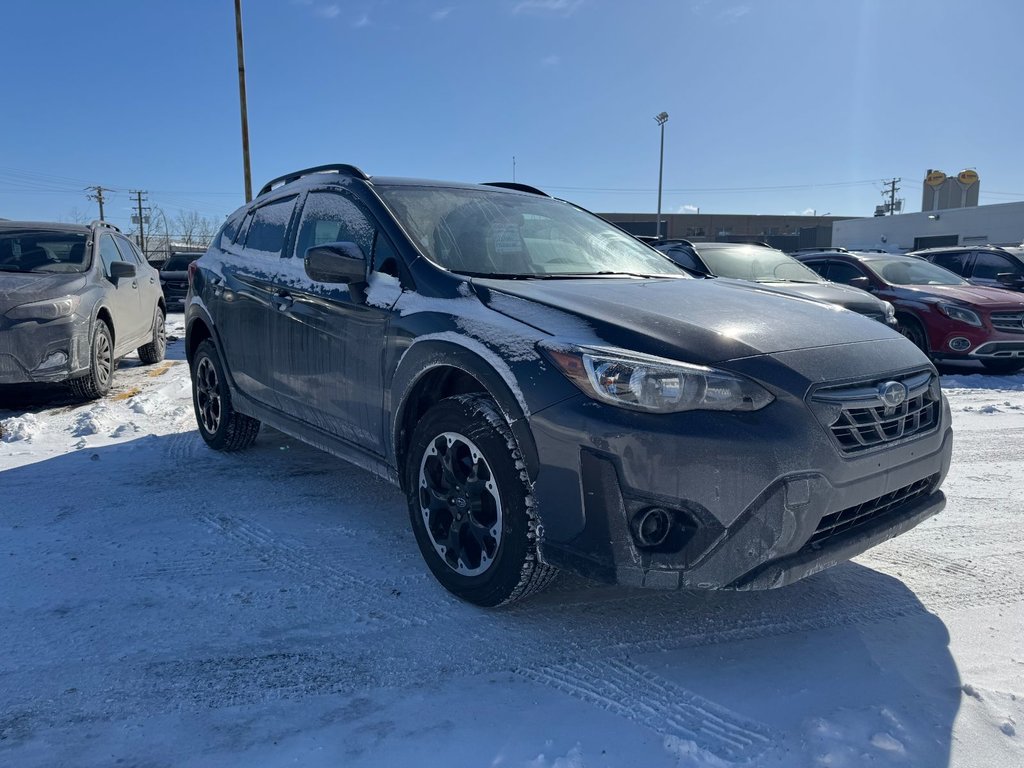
x=153 y=353
x=912 y=329
x=220 y=425
x=96 y=383
x=470 y=503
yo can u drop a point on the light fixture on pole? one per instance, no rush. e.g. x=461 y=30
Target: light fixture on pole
x=661 y=119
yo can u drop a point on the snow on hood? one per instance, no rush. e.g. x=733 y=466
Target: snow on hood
x=17 y=288
x=702 y=321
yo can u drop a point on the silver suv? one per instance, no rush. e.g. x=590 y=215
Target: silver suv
x=74 y=300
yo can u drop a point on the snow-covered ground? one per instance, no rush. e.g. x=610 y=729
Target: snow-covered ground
x=163 y=604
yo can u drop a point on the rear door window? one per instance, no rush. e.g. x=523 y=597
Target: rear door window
x=128 y=253
x=269 y=227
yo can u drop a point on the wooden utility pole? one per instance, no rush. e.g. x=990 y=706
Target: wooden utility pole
x=97 y=196
x=241 y=99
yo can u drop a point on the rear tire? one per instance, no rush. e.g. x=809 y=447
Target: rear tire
x=471 y=505
x=220 y=425
x=96 y=383
x=1003 y=367
x=153 y=353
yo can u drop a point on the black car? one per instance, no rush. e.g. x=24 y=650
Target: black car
x=990 y=265
x=773 y=270
x=174 y=278
x=74 y=300
x=551 y=392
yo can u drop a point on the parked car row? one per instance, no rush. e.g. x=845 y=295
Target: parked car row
x=551 y=393
x=944 y=315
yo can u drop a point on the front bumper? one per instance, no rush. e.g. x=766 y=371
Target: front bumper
x=751 y=496
x=38 y=352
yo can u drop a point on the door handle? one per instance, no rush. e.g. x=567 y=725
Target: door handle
x=282 y=300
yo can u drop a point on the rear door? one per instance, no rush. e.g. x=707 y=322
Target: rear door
x=122 y=297
x=246 y=303
x=331 y=366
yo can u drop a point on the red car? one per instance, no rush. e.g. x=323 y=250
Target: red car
x=947 y=317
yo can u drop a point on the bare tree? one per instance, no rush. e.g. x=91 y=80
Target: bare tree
x=77 y=216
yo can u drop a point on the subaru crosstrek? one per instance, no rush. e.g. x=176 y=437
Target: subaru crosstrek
x=551 y=393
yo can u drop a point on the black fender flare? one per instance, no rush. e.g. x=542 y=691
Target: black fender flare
x=477 y=360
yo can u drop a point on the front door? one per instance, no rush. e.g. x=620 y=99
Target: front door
x=330 y=369
x=122 y=298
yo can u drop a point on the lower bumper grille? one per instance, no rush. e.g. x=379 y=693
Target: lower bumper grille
x=853 y=517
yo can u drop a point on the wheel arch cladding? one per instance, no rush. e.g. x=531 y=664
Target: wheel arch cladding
x=103 y=316
x=432 y=370
x=198 y=332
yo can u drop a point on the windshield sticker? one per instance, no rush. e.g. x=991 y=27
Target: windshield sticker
x=506 y=238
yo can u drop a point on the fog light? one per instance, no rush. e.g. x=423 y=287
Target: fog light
x=651 y=526
x=53 y=360
x=960 y=344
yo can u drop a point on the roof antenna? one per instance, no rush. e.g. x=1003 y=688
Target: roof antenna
x=513 y=167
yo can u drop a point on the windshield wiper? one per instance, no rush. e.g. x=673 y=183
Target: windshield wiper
x=11 y=268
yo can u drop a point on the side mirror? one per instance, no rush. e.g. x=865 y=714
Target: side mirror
x=1010 y=278
x=860 y=282
x=119 y=269
x=336 y=263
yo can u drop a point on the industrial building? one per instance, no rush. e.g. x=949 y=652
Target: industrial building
x=784 y=232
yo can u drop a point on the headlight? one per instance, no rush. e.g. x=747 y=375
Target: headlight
x=890 y=312
x=51 y=309
x=954 y=312
x=654 y=384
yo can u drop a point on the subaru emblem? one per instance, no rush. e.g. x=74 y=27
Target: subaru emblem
x=892 y=393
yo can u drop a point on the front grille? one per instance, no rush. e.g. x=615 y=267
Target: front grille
x=847 y=519
x=1012 y=322
x=860 y=420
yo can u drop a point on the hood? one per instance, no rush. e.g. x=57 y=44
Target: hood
x=20 y=288
x=701 y=321
x=845 y=296
x=979 y=295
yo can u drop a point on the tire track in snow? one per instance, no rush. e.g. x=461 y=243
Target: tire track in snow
x=637 y=694
x=311 y=571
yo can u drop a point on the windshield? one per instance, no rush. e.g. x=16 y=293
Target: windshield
x=487 y=233
x=179 y=263
x=35 y=250
x=911 y=271
x=754 y=262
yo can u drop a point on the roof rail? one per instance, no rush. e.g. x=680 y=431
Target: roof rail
x=342 y=169
x=517 y=187
x=836 y=248
x=107 y=224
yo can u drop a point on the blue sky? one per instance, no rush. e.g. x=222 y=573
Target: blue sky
x=776 y=106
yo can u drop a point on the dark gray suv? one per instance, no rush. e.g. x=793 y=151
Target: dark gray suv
x=74 y=300
x=552 y=393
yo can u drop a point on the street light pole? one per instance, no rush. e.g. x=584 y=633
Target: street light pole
x=241 y=99
x=661 y=119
